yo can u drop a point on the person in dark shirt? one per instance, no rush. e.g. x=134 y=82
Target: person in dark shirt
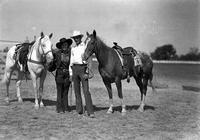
x=61 y=65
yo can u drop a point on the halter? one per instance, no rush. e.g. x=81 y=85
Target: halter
x=43 y=55
x=95 y=45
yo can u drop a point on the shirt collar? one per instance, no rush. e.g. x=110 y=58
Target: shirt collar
x=81 y=44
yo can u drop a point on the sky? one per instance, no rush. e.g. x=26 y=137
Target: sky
x=142 y=24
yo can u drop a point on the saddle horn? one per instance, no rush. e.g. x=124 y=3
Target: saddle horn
x=42 y=35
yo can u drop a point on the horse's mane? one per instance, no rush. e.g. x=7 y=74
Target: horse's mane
x=101 y=43
x=36 y=42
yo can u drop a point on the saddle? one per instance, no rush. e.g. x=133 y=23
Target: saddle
x=128 y=51
x=20 y=55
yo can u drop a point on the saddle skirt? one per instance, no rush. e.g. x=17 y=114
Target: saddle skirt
x=137 y=60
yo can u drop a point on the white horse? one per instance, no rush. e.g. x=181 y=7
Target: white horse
x=39 y=55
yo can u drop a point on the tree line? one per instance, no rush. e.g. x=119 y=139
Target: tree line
x=168 y=52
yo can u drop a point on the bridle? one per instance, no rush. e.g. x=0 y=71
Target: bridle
x=43 y=55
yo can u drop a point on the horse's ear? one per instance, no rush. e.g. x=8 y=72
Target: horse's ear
x=50 y=36
x=42 y=34
x=87 y=34
x=94 y=33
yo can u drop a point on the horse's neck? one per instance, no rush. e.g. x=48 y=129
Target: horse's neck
x=102 y=54
x=34 y=53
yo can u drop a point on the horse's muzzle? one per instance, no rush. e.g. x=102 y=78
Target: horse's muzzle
x=49 y=57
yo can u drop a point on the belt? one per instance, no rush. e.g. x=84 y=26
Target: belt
x=79 y=64
x=64 y=70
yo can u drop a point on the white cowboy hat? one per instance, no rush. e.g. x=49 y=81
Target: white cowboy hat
x=76 y=33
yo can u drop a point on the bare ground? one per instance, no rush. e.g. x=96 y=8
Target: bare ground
x=170 y=114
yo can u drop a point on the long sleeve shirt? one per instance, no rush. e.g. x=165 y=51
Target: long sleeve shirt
x=77 y=53
x=61 y=65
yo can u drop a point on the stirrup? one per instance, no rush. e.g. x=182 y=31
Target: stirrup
x=21 y=68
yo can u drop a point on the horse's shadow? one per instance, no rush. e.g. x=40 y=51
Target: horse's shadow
x=46 y=102
x=128 y=107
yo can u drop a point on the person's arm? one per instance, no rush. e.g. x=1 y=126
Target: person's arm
x=52 y=65
x=71 y=63
x=83 y=58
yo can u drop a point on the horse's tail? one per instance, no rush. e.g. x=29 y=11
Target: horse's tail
x=150 y=83
x=151 y=76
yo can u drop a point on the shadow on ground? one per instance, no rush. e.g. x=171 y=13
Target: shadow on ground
x=46 y=102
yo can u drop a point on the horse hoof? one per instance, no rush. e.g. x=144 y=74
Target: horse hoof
x=110 y=111
x=20 y=100
x=140 y=109
x=123 y=112
x=41 y=104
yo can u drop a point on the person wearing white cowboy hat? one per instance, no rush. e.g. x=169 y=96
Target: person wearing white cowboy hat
x=79 y=73
x=76 y=34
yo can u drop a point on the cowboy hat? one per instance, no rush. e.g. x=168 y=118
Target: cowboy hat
x=76 y=34
x=63 y=40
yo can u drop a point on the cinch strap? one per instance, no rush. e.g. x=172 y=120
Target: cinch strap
x=36 y=62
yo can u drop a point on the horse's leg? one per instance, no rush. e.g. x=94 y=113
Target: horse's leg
x=151 y=84
x=119 y=89
x=18 y=84
x=143 y=93
x=109 y=89
x=41 y=85
x=6 y=80
x=140 y=85
x=35 y=87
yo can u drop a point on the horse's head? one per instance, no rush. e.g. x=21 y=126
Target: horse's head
x=91 y=42
x=45 y=47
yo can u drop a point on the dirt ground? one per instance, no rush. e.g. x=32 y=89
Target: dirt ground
x=170 y=114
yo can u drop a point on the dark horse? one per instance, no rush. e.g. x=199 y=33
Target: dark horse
x=111 y=71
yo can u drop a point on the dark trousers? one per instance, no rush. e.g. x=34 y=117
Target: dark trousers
x=78 y=78
x=62 y=96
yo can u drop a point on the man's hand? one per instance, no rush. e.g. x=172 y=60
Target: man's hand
x=70 y=78
x=86 y=76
